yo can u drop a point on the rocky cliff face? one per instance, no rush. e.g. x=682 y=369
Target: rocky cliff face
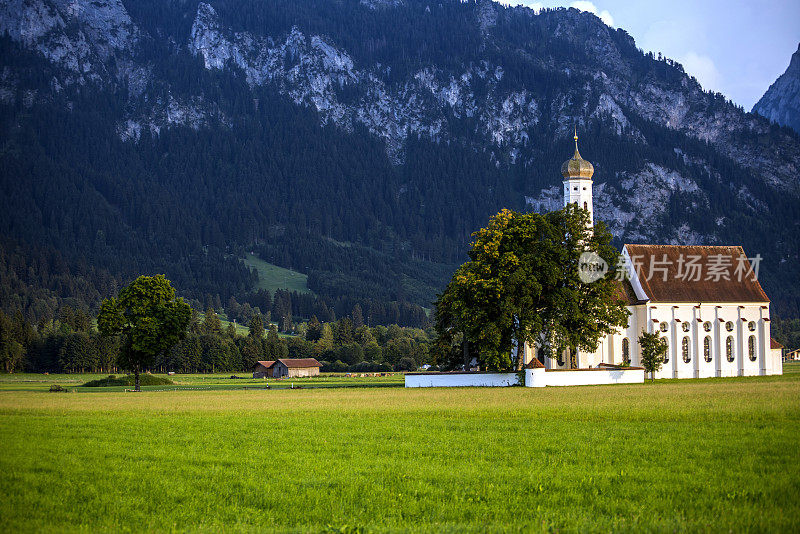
x=674 y=164
x=781 y=102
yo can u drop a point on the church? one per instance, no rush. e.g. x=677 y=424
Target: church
x=706 y=302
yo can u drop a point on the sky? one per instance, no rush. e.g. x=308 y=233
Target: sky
x=733 y=47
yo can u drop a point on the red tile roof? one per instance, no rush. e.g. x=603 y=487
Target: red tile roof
x=666 y=276
x=534 y=364
x=623 y=290
x=299 y=363
x=267 y=363
x=774 y=344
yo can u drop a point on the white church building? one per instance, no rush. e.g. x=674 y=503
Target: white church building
x=706 y=302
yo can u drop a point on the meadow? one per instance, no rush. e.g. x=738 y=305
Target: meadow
x=715 y=455
x=271 y=277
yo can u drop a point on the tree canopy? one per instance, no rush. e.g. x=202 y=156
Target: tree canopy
x=148 y=317
x=522 y=285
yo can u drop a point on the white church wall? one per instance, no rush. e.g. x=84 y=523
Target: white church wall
x=702 y=321
x=728 y=327
x=660 y=320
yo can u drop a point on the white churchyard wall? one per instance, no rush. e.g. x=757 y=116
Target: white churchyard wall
x=537 y=378
x=445 y=380
x=534 y=378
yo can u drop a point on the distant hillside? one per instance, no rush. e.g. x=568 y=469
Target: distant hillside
x=781 y=102
x=357 y=143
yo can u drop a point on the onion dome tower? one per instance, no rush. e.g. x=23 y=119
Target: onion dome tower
x=577 y=173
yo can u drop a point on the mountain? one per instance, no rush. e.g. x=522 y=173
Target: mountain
x=781 y=102
x=359 y=142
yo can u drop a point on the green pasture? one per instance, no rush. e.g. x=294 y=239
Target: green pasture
x=691 y=455
x=272 y=277
x=198 y=382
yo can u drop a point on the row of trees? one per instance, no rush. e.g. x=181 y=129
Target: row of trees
x=198 y=342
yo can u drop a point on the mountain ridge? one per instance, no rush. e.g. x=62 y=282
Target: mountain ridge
x=458 y=109
x=781 y=102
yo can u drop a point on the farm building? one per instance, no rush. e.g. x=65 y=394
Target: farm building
x=793 y=355
x=263 y=369
x=288 y=367
x=295 y=367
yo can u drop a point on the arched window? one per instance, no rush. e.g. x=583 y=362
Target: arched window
x=707 y=326
x=751 y=326
x=729 y=326
x=626 y=350
x=685 y=349
x=664 y=326
x=586 y=206
x=685 y=326
x=707 y=348
x=751 y=348
x=729 y=348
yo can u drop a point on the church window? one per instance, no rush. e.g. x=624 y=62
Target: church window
x=729 y=348
x=584 y=189
x=685 y=349
x=751 y=326
x=707 y=348
x=575 y=188
x=707 y=326
x=751 y=348
x=685 y=326
x=626 y=350
x=585 y=206
x=666 y=356
x=729 y=326
x=664 y=327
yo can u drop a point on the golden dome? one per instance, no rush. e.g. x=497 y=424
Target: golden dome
x=577 y=167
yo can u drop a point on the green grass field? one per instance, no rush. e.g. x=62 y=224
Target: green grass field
x=717 y=455
x=272 y=277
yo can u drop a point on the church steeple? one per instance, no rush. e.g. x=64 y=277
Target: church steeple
x=577 y=173
x=577 y=167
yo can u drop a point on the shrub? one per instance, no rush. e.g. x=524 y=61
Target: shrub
x=337 y=366
x=55 y=388
x=128 y=380
x=406 y=363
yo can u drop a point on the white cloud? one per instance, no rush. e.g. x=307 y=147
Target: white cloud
x=702 y=68
x=589 y=7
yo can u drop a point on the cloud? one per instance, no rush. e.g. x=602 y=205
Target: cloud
x=702 y=68
x=589 y=7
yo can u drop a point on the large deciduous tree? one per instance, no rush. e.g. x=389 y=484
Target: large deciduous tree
x=149 y=319
x=522 y=285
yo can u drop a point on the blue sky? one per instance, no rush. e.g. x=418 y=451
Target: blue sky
x=736 y=48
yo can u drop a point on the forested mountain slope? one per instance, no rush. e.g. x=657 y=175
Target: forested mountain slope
x=358 y=142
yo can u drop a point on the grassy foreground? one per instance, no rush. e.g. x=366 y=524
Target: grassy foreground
x=676 y=455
